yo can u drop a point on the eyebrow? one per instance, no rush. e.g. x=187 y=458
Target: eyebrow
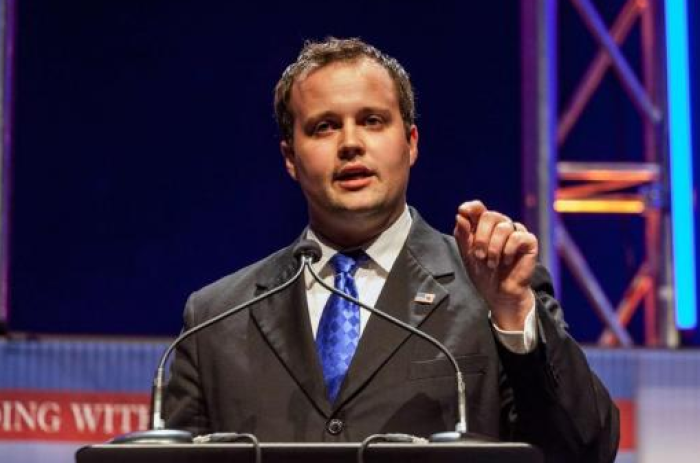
x=385 y=112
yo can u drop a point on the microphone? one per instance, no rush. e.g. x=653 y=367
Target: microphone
x=307 y=249
x=461 y=429
x=307 y=252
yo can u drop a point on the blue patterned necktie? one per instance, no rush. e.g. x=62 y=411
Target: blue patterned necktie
x=339 y=329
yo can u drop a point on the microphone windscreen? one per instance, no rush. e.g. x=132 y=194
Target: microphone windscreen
x=308 y=248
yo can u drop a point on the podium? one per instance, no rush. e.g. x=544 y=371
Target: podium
x=469 y=452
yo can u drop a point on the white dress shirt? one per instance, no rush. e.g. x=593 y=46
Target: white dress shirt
x=372 y=274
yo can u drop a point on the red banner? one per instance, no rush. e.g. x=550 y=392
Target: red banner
x=70 y=416
x=97 y=417
x=628 y=441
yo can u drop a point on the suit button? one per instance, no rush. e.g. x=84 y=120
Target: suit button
x=335 y=426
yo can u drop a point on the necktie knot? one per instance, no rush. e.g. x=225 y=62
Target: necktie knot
x=348 y=262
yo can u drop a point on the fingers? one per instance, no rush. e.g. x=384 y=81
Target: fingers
x=476 y=223
x=463 y=235
x=490 y=236
x=519 y=242
x=471 y=210
x=499 y=237
x=492 y=227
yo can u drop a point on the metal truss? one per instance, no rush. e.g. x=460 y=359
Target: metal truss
x=553 y=188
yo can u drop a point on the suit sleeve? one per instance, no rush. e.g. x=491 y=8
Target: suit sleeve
x=554 y=400
x=184 y=401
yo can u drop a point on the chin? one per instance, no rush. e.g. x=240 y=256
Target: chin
x=361 y=207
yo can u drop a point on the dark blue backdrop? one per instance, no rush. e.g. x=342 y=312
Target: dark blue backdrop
x=146 y=154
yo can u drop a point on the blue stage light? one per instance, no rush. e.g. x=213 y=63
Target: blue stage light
x=680 y=139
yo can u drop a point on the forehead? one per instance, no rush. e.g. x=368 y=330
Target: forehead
x=343 y=85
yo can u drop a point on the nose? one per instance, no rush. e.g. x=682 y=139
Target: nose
x=351 y=143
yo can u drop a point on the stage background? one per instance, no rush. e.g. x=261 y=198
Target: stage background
x=146 y=158
x=146 y=164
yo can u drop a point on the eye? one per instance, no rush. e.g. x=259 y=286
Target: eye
x=323 y=126
x=374 y=120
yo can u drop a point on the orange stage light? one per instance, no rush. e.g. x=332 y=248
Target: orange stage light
x=600 y=206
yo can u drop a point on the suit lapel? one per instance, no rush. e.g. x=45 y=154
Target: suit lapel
x=416 y=270
x=283 y=320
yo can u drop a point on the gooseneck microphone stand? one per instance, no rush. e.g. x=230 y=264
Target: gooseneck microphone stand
x=307 y=252
x=158 y=434
x=461 y=432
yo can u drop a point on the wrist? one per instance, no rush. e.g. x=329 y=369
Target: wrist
x=510 y=315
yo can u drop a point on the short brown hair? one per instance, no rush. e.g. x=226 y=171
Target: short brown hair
x=315 y=55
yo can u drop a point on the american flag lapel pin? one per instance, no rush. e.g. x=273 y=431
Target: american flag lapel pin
x=424 y=298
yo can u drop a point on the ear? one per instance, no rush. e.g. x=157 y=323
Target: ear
x=413 y=144
x=289 y=158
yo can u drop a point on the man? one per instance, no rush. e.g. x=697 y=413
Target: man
x=303 y=366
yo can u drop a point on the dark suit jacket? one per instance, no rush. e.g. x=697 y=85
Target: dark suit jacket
x=258 y=371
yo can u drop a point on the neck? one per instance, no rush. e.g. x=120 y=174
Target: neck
x=353 y=230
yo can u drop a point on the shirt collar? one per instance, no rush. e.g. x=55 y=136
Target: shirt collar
x=383 y=251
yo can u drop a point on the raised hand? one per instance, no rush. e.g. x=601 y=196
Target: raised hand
x=500 y=257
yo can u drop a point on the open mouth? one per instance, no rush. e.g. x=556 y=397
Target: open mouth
x=353 y=173
x=353 y=177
